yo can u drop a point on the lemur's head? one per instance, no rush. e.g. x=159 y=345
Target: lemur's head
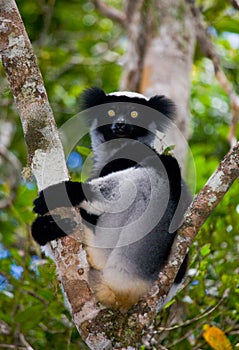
x=126 y=115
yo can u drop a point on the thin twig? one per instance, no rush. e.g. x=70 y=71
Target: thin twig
x=36 y=296
x=24 y=342
x=110 y=12
x=197 y=318
x=47 y=10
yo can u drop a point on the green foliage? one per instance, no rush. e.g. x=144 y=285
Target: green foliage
x=78 y=48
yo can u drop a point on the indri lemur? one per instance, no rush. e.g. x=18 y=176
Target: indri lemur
x=134 y=202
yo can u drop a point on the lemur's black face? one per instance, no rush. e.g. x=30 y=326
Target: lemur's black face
x=120 y=120
x=126 y=115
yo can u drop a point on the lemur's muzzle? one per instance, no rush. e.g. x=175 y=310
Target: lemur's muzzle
x=119 y=127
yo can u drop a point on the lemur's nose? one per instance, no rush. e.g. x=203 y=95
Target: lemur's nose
x=119 y=125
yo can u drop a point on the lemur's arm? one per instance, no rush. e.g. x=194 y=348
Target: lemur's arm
x=64 y=194
x=68 y=193
x=95 y=196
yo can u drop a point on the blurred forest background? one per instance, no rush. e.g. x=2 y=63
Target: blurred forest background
x=77 y=47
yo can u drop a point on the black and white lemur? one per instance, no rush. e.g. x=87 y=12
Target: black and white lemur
x=133 y=204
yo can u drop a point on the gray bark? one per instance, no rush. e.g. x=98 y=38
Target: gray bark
x=168 y=64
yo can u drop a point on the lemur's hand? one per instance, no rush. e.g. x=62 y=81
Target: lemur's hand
x=40 y=206
x=47 y=228
x=50 y=198
x=64 y=194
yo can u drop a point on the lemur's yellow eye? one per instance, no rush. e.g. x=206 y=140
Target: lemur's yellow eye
x=134 y=114
x=111 y=113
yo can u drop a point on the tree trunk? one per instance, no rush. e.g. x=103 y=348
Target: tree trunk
x=159 y=60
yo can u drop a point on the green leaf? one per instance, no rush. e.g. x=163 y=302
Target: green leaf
x=84 y=151
x=227 y=24
x=169 y=149
x=206 y=249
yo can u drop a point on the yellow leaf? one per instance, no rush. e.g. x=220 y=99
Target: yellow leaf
x=216 y=338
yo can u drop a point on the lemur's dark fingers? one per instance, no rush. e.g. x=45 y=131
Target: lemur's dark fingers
x=47 y=228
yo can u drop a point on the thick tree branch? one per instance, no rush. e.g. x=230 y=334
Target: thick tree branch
x=110 y=12
x=210 y=52
x=30 y=96
x=201 y=207
x=46 y=156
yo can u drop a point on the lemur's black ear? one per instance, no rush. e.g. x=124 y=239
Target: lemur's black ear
x=92 y=97
x=163 y=105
